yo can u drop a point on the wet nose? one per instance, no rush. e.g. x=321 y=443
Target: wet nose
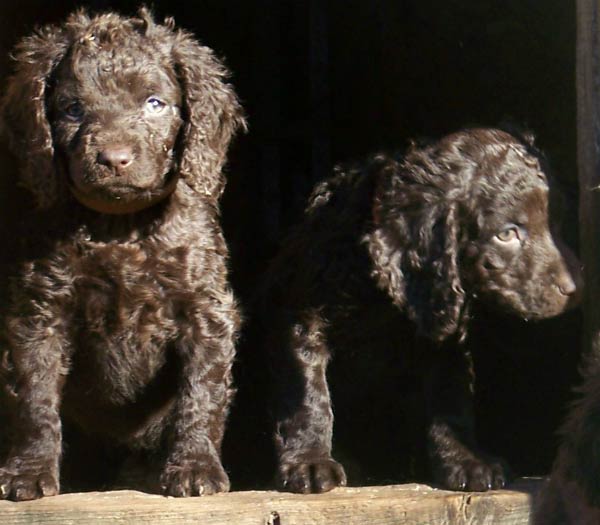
x=117 y=156
x=566 y=284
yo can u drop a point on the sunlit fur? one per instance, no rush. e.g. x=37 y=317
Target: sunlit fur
x=124 y=323
x=385 y=268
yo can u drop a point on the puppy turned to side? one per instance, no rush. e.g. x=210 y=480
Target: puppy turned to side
x=390 y=260
x=120 y=317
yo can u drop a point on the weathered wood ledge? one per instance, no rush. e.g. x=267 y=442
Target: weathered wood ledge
x=395 y=504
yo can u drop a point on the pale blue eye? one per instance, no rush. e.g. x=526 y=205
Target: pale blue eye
x=74 y=110
x=155 y=105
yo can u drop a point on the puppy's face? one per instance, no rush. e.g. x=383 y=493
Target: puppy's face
x=516 y=262
x=115 y=117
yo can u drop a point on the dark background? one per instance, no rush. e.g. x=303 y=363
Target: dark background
x=328 y=81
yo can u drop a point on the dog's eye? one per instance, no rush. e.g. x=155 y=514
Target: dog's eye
x=155 y=105
x=509 y=234
x=74 y=110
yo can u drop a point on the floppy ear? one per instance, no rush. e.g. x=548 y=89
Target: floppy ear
x=211 y=111
x=23 y=111
x=415 y=250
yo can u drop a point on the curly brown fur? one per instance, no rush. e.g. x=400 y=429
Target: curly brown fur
x=572 y=495
x=405 y=241
x=120 y=316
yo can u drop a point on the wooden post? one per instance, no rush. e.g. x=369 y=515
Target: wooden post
x=266 y=121
x=588 y=159
x=319 y=91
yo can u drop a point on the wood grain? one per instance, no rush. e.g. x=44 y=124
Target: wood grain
x=588 y=160
x=396 y=504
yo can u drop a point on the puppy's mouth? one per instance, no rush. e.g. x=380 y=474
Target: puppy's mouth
x=120 y=198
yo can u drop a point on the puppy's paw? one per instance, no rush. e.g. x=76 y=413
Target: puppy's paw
x=474 y=474
x=22 y=480
x=311 y=475
x=198 y=477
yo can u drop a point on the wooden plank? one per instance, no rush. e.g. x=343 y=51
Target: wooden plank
x=319 y=91
x=390 y=505
x=265 y=121
x=588 y=159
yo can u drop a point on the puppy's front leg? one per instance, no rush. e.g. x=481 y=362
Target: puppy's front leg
x=34 y=366
x=193 y=466
x=304 y=414
x=455 y=460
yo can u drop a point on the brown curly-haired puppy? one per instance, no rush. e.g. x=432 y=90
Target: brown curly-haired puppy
x=120 y=317
x=383 y=272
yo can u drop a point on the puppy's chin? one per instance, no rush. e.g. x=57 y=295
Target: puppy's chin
x=531 y=309
x=546 y=311
x=121 y=199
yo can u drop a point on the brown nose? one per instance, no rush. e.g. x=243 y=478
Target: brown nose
x=566 y=284
x=117 y=156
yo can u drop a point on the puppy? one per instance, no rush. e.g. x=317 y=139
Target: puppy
x=120 y=317
x=378 y=282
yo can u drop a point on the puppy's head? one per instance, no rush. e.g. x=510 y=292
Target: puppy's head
x=512 y=259
x=115 y=110
x=467 y=217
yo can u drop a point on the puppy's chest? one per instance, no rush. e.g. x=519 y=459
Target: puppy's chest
x=131 y=297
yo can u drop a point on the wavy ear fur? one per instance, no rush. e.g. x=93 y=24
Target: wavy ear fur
x=23 y=111
x=211 y=111
x=415 y=248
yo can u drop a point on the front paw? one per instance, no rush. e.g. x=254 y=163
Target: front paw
x=308 y=475
x=195 y=477
x=473 y=474
x=26 y=479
